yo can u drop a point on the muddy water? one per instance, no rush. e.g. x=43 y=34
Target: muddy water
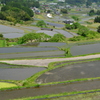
x=18 y=73
x=24 y=49
x=73 y=71
x=85 y=49
x=13 y=35
x=53 y=89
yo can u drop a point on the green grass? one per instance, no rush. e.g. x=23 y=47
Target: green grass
x=93 y=26
x=6 y=85
x=2 y=43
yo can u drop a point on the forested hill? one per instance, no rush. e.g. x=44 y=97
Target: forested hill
x=17 y=10
x=81 y=1
x=74 y=2
x=26 y=3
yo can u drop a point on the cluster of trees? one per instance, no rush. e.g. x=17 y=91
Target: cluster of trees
x=17 y=10
x=1 y=36
x=97 y=19
x=73 y=26
x=64 y=11
x=81 y=2
x=75 y=2
x=41 y=23
x=93 y=12
x=41 y=37
x=26 y=3
x=85 y=34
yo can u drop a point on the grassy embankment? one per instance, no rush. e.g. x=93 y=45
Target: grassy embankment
x=2 y=43
x=6 y=85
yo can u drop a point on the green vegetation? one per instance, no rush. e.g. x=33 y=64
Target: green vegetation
x=16 y=11
x=93 y=12
x=64 y=11
x=2 y=43
x=97 y=19
x=75 y=25
x=98 y=29
x=6 y=85
x=41 y=24
x=58 y=38
x=19 y=12
x=76 y=18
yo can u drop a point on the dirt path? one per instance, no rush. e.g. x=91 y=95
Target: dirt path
x=45 y=62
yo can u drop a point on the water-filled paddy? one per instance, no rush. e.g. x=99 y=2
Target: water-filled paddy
x=85 y=49
x=13 y=35
x=32 y=50
x=45 y=44
x=33 y=54
x=7 y=29
x=18 y=73
x=25 y=49
x=73 y=71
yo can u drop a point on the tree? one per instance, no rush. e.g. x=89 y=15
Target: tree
x=98 y=12
x=83 y=31
x=2 y=16
x=64 y=11
x=75 y=2
x=41 y=23
x=69 y=27
x=58 y=38
x=97 y=19
x=98 y=29
x=28 y=10
x=36 y=37
x=1 y=35
x=88 y=3
x=43 y=37
x=75 y=18
x=76 y=25
x=73 y=26
x=91 y=13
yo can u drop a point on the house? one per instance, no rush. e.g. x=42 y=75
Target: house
x=68 y=22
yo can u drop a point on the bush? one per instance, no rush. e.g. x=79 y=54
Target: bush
x=98 y=29
x=83 y=31
x=76 y=38
x=73 y=26
x=1 y=35
x=41 y=23
x=97 y=19
x=58 y=38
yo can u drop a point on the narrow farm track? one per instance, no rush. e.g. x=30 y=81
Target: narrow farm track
x=45 y=62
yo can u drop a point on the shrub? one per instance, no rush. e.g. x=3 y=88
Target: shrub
x=58 y=38
x=83 y=31
x=98 y=29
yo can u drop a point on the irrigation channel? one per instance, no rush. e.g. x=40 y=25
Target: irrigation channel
x=67 y=72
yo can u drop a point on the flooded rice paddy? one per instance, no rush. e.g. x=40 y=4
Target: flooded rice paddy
x=7 y=29
x=72 y=71
x=25 y=49
x=32 y=50
x=12 y=35
x=85 y=49
x=11 y=32
x=33 y=55
x=18 y=73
